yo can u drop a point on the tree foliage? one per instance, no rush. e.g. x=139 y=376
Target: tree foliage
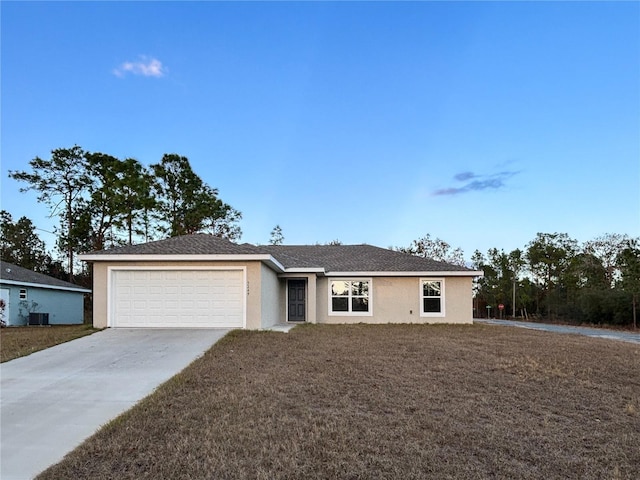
x=629 y=262
x=607 y=249
x=186 y=204
x=436 y=249
x=224 y=223
x=277 y=237
x=61 y=183
x=549 y=256
x=20 y=244
x=102 y=201
x=121 y=193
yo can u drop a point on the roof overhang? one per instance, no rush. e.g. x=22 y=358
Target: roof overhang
x=43 y=285
x=319 y=270
x=455 y=273
x=267 y=259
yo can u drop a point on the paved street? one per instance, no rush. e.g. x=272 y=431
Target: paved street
x=619 y=335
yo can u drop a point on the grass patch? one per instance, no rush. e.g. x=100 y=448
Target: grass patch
x=20 y=341
x=382 y=402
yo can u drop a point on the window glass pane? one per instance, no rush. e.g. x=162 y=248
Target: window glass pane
x=359 y=304
x=431 y=305
x=431 y=289
x=339 y=304
x=339 y=288
x=360 y=288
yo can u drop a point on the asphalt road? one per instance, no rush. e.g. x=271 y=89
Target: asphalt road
x=618 y=335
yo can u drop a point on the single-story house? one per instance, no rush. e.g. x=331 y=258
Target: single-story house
x=204 y=281
x=35 y=298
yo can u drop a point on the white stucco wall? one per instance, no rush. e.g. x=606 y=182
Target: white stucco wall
x=397 y=300
x=270 y=304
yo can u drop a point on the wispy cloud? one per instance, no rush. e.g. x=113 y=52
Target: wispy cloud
x=465 y=176
x=474 y=182
x=145 y=66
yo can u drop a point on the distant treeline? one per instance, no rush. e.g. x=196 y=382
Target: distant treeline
x=552 y=277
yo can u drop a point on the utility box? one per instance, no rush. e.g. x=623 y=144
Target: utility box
x=38 y=319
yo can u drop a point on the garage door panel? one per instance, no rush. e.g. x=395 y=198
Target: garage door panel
x=139 y=275
x=201 y=290
x=177 y=298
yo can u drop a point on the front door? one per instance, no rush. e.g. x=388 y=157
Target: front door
x=296 y=300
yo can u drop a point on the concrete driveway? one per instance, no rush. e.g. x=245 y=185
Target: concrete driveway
x=50 y=401
x=589 y=332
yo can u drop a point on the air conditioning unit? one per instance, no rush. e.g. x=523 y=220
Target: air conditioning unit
x=38 y=319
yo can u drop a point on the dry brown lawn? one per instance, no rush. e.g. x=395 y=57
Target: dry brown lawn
x=383 y=402
x=20 y=341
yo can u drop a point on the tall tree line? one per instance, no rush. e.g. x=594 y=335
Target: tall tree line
x=552 y=277
x=102 y=201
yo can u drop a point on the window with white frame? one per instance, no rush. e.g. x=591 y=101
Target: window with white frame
x=432 y=297
x=23 y=294
x=350 y=297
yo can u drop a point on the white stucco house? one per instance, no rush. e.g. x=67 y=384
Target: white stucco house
x=204 y=281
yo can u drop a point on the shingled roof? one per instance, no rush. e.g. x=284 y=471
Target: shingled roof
x=196 y=244
x=327 y=258
x=14 y=274
x=354 y=258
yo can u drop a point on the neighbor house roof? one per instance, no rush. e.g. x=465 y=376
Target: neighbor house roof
x=327 y=259
x=11 y=274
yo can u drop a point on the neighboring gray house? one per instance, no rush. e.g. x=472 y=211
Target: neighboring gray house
x=26 y=293
x=203 y=281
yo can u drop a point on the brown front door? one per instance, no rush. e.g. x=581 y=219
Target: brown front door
x=296 y=300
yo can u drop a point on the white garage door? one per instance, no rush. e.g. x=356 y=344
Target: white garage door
x=177 y=298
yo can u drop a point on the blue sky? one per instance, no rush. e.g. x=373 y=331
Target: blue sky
x=368 y=122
